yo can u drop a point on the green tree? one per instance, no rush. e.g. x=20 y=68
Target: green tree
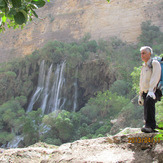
x=61 y=126
x=120 y=87
x=159 y=111
x=11 y=113
x=51 y=134
x=84 y=130
x=105 y=128
x=64 y=126
x=151 y=36
x=105 y=104
x=31 y=126
x=135 y=78
x=150 y=33
x=18 y=12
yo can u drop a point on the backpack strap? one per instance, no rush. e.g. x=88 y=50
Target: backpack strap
x=161 y=59
x=150 y=64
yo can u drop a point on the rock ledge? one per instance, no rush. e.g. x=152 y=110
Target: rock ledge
x=137 y=147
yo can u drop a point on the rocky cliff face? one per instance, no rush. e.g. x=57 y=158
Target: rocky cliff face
x=131 y=148
x=71 y=19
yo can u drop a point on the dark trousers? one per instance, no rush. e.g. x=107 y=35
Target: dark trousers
x=149 y=111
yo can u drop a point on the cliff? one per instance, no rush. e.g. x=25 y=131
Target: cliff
x=131 y=148
x=70 y=20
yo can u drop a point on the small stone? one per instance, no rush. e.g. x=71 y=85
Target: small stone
x=44 y=161
x=109 y=140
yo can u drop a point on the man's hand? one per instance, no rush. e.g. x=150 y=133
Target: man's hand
x=152 y=95
x=140 y=100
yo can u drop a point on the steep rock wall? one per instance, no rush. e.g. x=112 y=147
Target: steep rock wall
x=71 y=19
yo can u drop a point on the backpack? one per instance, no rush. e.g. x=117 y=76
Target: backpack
x=159 y=90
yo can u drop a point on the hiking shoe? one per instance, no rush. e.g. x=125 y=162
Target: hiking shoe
x=147 y=130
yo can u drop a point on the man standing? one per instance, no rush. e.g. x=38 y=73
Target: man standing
x=149 y=78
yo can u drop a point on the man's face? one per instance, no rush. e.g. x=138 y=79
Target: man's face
x=145 y=55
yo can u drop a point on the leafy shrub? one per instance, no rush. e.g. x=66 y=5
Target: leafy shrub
x=11 y=113
x=151 y=36
x=120 y=87
x=31 y=126
x=103 y=129
x=53 y=141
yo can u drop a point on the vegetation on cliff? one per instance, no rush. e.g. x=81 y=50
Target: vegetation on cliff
x=114 y=59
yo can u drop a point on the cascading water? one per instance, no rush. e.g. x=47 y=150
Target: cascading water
x=55 y=100
x=75 y=91
x=46 y=90
x=15 y=142
x=49 y=95
x=40 y=86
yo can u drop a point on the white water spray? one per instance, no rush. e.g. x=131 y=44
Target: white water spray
x=76 y=91
x=56 y=89
x=40 y=87
x=46 y=90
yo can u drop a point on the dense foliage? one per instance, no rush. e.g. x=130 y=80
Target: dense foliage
x=19 y=78
x=18 y=12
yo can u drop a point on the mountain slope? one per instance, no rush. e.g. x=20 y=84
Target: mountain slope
x=70 y=20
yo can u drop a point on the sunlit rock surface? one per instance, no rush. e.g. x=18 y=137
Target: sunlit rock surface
x=70 y=20
x=131 y=148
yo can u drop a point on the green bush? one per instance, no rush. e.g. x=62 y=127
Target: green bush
x=109 y=104
x=5 y=137
x=53 y=141
x=105 y=128
x=11 y=113
x=159 y=111
x=151 y=36
x=31 y=126
x=120 y=87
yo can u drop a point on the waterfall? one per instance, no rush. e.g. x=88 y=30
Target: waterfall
x=40 y=86
x=47 y=95
x=75 y=91
x=46 y=90
x=56 y=88
x=15 y=142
